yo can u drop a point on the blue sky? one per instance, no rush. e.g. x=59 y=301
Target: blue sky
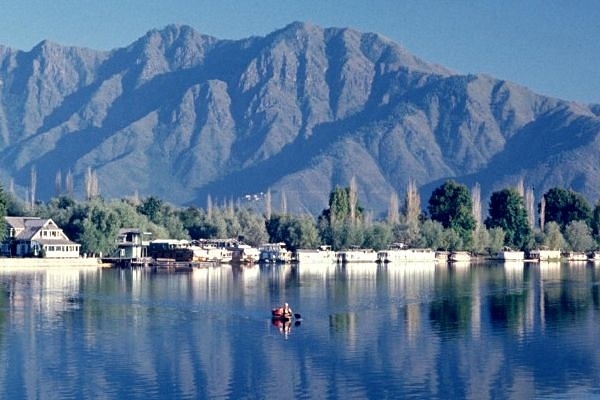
x=552 y=47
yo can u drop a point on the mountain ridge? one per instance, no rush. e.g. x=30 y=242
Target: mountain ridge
x=184 y=116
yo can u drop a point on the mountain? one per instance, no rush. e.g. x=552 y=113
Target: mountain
x=184 y=116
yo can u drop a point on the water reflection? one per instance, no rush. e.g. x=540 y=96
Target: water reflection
x=421 y=330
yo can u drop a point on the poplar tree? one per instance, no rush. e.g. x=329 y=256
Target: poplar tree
x=393 y=215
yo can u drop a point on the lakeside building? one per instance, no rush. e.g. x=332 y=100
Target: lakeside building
x=544 y=255
x=37 y=237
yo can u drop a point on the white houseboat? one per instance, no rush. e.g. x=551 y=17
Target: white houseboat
x=402 y=256
x=441 y=257
x=544 y=255
x=356 y=255
x=208 y=252
x=459 y=257
x=275 y=253
x=575 y=256
x=509 y=255
x=241 y=253
x=323 y=254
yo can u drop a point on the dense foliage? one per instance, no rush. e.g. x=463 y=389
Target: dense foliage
x=564 y=206
x=507 y=211
x=451 y=205
x=570 y=223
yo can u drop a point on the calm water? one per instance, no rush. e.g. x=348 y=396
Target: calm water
x=475 y=332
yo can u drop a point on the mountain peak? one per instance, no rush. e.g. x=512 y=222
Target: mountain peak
x=181 y=115
x=174 y=35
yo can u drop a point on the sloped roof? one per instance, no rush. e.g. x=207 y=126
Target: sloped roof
x=124 y=231
x=27 y=227
x=19 y=222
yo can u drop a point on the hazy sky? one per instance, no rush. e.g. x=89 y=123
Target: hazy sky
x=550 y=46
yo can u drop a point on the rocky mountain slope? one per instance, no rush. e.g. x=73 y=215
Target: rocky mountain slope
x=184 y=116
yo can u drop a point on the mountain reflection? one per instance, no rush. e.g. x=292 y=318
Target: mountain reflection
x=369 y=331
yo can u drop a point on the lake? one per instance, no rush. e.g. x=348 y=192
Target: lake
x=475 y=331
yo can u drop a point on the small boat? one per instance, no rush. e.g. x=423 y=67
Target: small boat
x=277 y=314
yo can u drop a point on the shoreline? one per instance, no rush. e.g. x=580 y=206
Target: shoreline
x=15 y=263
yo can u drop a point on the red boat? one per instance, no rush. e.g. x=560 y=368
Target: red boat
x=278 y=314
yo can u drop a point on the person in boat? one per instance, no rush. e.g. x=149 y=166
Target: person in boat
x=287 y=310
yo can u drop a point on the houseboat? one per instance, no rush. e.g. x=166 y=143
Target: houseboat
x=244 y=254
x=171 y=249
x=356 y=255
x=459 y=257
x=441 y=257
x=402 y=256
x=132 y=249
x=594 y=257
x=543 y=255
x=508 y=254
x=274 y=253
x=206 y=251
x=240 y=252
x=575 y=256
x=323 y=254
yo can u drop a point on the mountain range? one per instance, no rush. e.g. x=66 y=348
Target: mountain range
x=186 y=117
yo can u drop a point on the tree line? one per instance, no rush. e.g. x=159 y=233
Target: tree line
x=452 y=220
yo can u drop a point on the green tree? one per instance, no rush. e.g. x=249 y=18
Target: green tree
x=564 y=206
x=251 y=226
x=481 y=239
x=14 y=206
x=453 y=239
x=553 y=238
x=340 y=223
x=507 y=211
x=193 y=219
x=341 y=203
x=378 y=236
x=59 y=209
x=95 y=226
x=151 y=207
x=214 y=225
x=346 y=235
x=496 y=239
x=452 y=206
x=169 y=218
x=432 y=235
x=579 y=236
x=297 y=232
x=130 y=218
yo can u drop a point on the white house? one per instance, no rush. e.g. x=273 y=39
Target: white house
x=36 y=237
